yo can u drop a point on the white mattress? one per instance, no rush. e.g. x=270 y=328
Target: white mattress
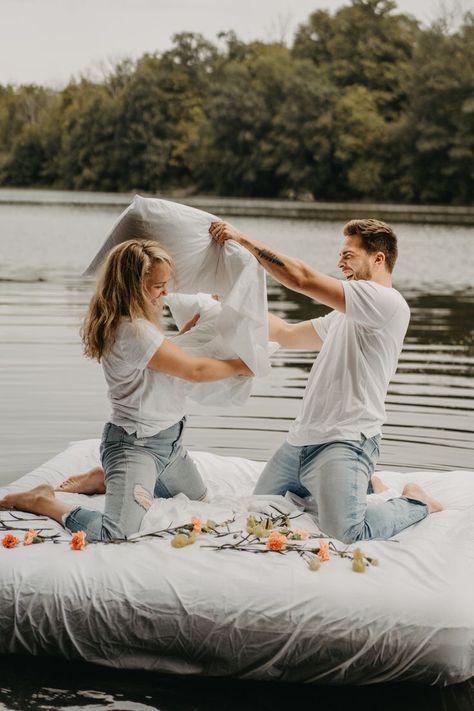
x=200 y=611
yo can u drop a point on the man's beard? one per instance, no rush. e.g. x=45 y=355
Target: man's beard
x=364 y=274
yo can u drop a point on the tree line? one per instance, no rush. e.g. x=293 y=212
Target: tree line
x=364 y=104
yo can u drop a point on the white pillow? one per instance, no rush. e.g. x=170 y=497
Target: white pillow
x=202 y=266
x=205 y=339
x=182 y=230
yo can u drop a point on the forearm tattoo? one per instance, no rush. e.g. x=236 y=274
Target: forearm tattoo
x=270 y=257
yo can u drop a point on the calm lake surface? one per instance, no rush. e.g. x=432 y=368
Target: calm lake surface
x=51 y=395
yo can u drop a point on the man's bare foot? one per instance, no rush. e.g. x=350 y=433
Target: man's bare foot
x=91 y=482
x=413 y=491
x=377 y=484
x=32 y=501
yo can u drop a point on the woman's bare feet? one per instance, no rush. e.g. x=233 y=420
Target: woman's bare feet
x=377 y=484
x=91 y=482
x=27 y=500
x=413 y=491
x=40 y=500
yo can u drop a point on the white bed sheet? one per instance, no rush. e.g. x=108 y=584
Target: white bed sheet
x=199 y=611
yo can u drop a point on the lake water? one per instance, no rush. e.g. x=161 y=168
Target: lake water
x=51 y=395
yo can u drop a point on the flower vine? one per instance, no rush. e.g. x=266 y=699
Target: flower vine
x=272 y=533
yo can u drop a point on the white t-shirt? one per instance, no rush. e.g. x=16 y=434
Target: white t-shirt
x=346 y=389
x=144 y=401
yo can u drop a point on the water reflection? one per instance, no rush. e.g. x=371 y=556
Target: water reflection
x=85 y=687
x=51 y=394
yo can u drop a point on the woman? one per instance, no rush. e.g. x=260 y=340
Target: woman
x=141 y=448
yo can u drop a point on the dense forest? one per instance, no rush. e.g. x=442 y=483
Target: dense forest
x=364 y=104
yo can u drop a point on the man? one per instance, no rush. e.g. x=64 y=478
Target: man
x=333 y=445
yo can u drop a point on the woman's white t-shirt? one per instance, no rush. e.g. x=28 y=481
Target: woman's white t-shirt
x=347 y=386
x=144 y=401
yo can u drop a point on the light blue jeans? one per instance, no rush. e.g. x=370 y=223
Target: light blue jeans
x=337 y=476
x=136 y=471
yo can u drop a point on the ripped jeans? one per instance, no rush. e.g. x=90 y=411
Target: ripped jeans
x=136 y=471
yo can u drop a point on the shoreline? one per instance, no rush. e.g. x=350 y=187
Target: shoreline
x=253 y=207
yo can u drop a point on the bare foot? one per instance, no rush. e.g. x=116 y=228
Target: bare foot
x=377 y=484
x=413 y=491
x=31 y=501
x=92 y=482
x=40 y=500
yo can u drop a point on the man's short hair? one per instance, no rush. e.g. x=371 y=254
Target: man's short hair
x=376 y=236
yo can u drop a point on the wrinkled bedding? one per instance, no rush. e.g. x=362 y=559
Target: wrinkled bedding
x=197 y=610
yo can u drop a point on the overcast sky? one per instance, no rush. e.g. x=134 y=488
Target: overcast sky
x=49 y=41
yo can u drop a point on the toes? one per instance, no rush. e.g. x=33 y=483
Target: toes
x=66 y=485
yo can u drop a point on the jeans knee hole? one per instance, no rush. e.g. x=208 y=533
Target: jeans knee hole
x=142 y=496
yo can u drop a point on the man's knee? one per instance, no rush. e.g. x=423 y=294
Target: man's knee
x=281 y=473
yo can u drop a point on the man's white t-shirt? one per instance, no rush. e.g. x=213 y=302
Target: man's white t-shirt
x=347 y=386
x=144 y=401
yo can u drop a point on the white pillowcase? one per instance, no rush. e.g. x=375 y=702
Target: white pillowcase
x=205 y=339
x=203 y=266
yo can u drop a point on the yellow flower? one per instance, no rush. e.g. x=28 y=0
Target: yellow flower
x=251 y=523
x=357 y=554
x=182 y=539
x=358 y=566
x=314 y=564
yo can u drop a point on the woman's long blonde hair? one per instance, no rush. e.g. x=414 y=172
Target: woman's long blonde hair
x=120 y=293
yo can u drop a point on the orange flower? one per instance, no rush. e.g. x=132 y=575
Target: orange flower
x=9 y=540
x=302 y=534
x=197 y=524
x=323 y=550
x=29 y=537
x=78 y=541
x=276 y=541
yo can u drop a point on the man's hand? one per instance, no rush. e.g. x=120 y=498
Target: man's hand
x=189 y=324
x=291 y=272
x=222 y=231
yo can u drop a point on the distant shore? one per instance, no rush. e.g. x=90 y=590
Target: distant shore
x=254 y=207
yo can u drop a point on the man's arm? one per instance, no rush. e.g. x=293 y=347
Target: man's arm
x=290 y=272
x=293 y=335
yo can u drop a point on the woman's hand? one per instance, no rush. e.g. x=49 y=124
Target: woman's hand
x=189 y=324
x=222 y=231
x=244 y=370
x=173 y=360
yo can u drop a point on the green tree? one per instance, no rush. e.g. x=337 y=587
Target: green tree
x=364 y=44
x=301 y=135
x=23 y=113
x=436 y=139
x=236 y=156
